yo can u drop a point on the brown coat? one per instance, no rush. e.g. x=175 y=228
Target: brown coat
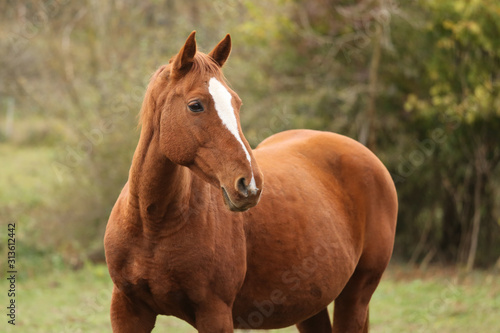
x=321 y=227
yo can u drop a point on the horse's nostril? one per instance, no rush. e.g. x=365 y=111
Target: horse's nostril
x=242 y=187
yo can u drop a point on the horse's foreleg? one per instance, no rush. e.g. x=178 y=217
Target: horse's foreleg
x=319 y=323
x=214 y=317
x=129 y=318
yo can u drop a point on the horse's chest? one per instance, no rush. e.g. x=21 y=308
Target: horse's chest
x=172 y=275
x=151 y=282
x=136 y=277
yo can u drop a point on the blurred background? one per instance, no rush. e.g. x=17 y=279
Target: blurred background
x=418 y=82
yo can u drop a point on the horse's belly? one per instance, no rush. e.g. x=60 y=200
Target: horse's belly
x=272 y=314
x=294 y=270
x=289 y=296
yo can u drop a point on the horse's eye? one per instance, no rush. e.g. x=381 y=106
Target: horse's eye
x=195 y=106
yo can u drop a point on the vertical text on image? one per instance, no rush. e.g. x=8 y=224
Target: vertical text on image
x=11 y=273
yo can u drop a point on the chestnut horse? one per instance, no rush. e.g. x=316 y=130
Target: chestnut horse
x=184 y=240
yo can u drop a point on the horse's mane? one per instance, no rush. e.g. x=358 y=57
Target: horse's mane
x=203 y=66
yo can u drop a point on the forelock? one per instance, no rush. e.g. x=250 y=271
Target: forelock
x=203 y=67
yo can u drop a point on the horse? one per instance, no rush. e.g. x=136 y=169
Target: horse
x=222 y=236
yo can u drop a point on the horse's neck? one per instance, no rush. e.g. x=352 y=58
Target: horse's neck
x=158 y=188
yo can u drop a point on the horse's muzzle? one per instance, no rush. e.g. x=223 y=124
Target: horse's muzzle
x=242 y=199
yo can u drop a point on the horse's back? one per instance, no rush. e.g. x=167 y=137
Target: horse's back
x=319 y=147
x=334 y=159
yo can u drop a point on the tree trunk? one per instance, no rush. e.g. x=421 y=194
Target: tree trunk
x=451 y=230
x=367 y=133
x=480 y=168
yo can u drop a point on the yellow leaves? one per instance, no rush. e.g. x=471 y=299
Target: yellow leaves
x=433 y=74
x=462 y=27
x=469 y=6
x=469 y=107
x=483 y=96
x=413 y=103
x=440 y=89
x=473 y=27
x=479 y=103
x=446 y=43
x=266 y=22
x=459 y=6
x=443 y=100
x=448 y=24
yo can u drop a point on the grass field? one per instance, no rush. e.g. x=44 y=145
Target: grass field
x=406 y=301
x=25 y=174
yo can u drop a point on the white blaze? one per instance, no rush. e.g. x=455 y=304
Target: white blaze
x=224 y=107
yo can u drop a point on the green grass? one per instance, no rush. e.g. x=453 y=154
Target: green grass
x=436 y=301
x=406 y=301
x=26 y=174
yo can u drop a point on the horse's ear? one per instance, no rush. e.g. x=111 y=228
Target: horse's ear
x=220 y=53
x=184 y=59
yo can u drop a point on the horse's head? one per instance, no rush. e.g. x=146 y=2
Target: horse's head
x=197 y=117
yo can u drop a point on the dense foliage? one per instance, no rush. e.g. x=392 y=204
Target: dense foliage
x=416 y=81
